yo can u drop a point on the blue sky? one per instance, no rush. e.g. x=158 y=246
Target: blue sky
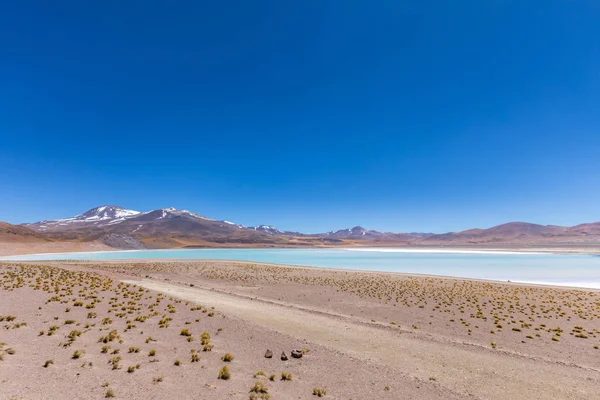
x=310 y=115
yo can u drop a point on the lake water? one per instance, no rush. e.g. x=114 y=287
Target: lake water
x=570 y=270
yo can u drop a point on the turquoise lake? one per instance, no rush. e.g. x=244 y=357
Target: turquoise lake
x=571 y=270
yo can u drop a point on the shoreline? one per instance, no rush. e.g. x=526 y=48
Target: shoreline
x=566 y=285
x=436 y=250
x=507 y=250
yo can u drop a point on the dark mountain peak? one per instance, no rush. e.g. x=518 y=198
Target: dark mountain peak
x=357 y=231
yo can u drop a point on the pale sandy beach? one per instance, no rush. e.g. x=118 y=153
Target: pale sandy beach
x=364 y=334
x=16 y=248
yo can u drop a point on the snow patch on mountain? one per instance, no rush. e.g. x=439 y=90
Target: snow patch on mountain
x=109 y=214
x=271 y=230
x=239 y=226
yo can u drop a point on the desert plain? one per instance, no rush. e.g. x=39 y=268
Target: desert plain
x=201 y=330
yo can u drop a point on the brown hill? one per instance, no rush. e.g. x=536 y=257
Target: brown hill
x=15 y=233
x=519 y=233
x=164 y=228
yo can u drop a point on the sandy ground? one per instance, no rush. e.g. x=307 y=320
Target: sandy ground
x=369 y=335
x=18 y=248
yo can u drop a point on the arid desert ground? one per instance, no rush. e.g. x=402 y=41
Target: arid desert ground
x=200 y=329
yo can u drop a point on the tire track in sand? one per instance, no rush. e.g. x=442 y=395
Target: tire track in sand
x=479 y=372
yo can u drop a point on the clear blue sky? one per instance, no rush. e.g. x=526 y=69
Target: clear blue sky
x=308 y=115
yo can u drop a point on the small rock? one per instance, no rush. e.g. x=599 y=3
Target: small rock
x=269 y=354
x=284 y=357
x=297 y=353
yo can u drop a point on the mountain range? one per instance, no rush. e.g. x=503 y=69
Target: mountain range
x=171 y=228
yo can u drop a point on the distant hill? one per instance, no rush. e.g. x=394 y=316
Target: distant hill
x=522 y=233
x=17 y=233
x=358 y=232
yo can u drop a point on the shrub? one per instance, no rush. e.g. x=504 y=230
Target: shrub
x=286 y=376
x=259 y=387
x=228 y=357
x=224 y=373
x=320 y=392
x=112 y=335
x=115 y=362
x=77 y=354
x=205 y=338
x=48 y=363
x=74 y=334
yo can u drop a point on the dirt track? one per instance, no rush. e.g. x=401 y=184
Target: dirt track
x=467 y=370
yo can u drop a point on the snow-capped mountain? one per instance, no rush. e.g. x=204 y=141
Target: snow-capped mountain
x=106 y=212
x=170 y=227
x=96 y=216
x=168 y=213
x=357 y=231
x=271 y=230
x=164 y=227
x=234 y=224
x=360 y=233
x=104 y=216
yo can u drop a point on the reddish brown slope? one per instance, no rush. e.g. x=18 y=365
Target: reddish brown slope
x=13 y=233
x=520 y=233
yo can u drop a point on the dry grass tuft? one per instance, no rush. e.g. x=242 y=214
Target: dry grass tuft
x=286 y=376
x=77 y=354
x=224 y=373
x=259 y=392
